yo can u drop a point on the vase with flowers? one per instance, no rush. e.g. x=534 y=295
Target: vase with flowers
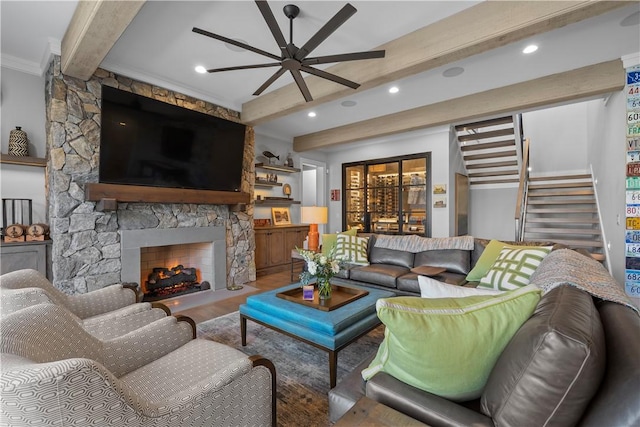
x=321 y=268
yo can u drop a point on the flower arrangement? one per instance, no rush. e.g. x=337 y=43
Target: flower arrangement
x=322 y=268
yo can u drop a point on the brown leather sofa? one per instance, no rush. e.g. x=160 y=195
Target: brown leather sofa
x=574 y=362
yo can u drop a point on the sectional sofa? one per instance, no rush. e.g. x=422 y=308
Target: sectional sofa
x=573 y=362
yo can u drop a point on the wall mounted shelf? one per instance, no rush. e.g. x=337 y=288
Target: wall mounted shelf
x=23 y=160
x=277 y=202
x=260 y=183
x=278 y=168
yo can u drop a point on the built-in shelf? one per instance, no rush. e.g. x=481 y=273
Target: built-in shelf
x=23 y=160
x=278 y=168
x=109 y=195
x=277 y=202
x=260 y=183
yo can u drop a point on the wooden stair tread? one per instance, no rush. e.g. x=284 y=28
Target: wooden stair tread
x=489 y=145
x=562 y=210
x=573 y=243
x=567 y=201
x=561 y=220
x=567 y=185
x=486 y=135
x=495 y=181
x=558 y=177
x=485 y=123
x=539 y=193
x=510 y=153
x=496 y=173
x=493 y=164
x=557 y=230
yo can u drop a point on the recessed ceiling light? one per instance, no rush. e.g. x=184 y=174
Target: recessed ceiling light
x=200 y=69
x=631 y=20
x=394 y=89
x=311 y=114
x=453 y=72
x=348 y=103
x=530 y=49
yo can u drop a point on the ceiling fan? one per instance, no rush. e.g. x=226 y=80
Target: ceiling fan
x=295 y=59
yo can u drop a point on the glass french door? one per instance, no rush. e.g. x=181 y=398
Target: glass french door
x=388 y=196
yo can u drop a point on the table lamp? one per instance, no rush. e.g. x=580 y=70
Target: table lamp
x=314 y=215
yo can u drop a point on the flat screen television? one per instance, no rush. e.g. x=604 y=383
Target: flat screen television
x=151 y=143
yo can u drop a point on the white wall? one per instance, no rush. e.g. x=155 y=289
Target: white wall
x=607 y=153
x=491 y=213
x=456 y=165
x=23 y=105
x=434 y=140
x=561 y=130
x=309 y=188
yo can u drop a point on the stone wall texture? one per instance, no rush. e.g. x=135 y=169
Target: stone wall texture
x=86 y=242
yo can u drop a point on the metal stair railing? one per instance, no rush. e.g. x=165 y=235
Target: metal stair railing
x=523 y=187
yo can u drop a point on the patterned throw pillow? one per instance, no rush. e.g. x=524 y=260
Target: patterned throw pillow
x=352 y=249
x=513 y=268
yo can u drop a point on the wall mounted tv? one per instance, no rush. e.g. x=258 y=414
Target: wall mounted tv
x=152 y=143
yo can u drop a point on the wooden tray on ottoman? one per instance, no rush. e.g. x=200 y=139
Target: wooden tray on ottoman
x=340 y=295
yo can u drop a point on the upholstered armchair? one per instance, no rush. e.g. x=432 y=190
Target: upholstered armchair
x=55 y=373
x=104 y=326
x=85 y=306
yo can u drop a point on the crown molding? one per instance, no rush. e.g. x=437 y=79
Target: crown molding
x=32 y=67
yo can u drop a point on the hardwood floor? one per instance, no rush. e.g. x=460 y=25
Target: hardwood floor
x=211 y=310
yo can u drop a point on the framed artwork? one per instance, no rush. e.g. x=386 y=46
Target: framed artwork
x=281 y=216
x=440 y=189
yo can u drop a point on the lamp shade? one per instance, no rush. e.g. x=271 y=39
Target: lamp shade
x=314 y=214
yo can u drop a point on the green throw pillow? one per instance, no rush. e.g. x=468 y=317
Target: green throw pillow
x=329 y=240
x=513 y=268
x=488 y=257
x=352 y=249
x=448 y=346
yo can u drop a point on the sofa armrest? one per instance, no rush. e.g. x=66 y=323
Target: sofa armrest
x=101 y=301
x=350 y=389
x=421 y=405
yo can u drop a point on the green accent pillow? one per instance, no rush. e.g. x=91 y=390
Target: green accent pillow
x=513 y=268
x=488 y=257
x=352 y=249
x=448 y=346
x=329 y=240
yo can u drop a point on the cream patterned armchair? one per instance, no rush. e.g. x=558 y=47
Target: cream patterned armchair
x=85 y=306
x=55 y=373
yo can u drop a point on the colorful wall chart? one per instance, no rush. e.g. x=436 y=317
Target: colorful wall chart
x=632 y=238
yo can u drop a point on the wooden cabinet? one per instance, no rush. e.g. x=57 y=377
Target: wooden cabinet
x=274 y=245
x=18 y=256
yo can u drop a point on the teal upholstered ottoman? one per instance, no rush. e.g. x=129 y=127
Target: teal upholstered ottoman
x=327 y=330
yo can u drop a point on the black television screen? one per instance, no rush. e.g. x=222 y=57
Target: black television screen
x=149 y=142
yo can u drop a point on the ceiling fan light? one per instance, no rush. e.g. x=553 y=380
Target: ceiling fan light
x=200 y=69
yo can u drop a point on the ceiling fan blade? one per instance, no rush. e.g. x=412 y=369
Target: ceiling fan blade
x=338 y=19
x=236 y=43
x=271 y=79
x=243 y=67
x=267 y=14
x=355 y=56
x=297 y=76
x=329 y=76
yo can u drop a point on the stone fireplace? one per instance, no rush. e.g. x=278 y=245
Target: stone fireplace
x=91 y=247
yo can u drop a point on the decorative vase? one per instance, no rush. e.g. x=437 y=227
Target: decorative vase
x=18 y=142
x=324 y=288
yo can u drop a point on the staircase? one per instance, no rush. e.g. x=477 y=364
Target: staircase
x=490 y=150
x=563 y=209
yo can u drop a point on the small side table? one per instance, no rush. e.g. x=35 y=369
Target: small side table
x=368 y=412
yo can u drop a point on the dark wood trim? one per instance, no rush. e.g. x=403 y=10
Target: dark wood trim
x=162 y=307
x=258 y=360
x=135 y=288
x=181 y=318
x=96 y=192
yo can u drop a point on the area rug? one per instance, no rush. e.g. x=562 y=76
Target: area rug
x=302 y=371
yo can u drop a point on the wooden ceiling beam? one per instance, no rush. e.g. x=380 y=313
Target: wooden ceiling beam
x=94 y=28
x=571 y=85
x=480 y=28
